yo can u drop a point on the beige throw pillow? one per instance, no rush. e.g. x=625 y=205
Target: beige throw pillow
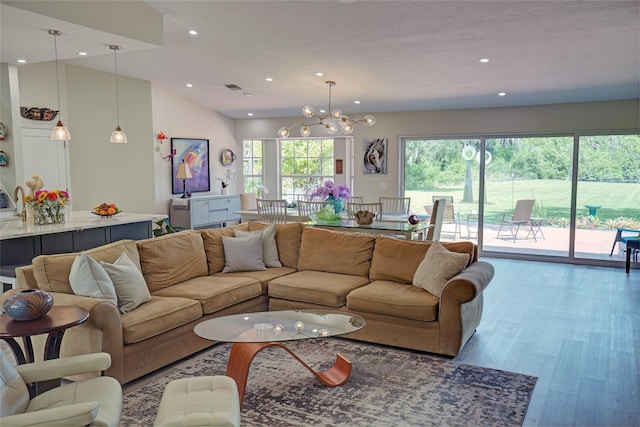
x=438 y=266
x=243 y=253
x=269 y=245
x=128 y=282
x=89 y=279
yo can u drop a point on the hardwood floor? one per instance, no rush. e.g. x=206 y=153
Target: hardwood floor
x=577 y=328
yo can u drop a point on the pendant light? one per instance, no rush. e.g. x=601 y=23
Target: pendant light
x=117 y=136
x=59 y=132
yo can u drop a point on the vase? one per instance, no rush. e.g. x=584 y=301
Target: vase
x=224 y=190
x=44 y=218
x=337 y=203
x=29 y=304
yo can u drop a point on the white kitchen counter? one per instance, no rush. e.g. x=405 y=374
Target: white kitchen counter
x=74 y=221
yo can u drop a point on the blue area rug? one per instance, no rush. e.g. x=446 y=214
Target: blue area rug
x=388 y=387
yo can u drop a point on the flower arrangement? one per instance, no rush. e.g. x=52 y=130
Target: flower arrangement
x=329 y=189
x=106 y=209
x=47 y=206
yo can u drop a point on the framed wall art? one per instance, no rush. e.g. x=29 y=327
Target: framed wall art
x=195 y=153
x=375 y=156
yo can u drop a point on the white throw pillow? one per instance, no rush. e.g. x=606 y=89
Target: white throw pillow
x=438 y=266
x=89 y=279
x=269 y=245
x=128 y=282
x=243 y=253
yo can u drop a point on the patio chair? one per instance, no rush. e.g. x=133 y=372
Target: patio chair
x=521 y=218
x=272 y=211
x=395 y=205
x=622 y=235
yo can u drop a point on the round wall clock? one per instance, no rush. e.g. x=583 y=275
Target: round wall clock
x=227 y=157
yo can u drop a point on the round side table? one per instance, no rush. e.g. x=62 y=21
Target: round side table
x=54 y=324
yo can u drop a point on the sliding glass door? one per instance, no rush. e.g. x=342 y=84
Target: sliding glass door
x=547 y=196
x=608 y=195
x=528 y=195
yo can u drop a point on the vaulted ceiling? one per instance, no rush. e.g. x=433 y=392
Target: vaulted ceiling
x=389 y=55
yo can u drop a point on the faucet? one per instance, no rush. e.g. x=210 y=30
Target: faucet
x=23 y=214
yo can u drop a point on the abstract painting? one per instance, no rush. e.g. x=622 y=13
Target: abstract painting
x=375 y=156
x=195 y=153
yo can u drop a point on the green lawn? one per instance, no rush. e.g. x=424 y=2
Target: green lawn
x=617 y=200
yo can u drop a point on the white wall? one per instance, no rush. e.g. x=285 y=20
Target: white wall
x=586 y=117
x=101 y=171
x=178 y=117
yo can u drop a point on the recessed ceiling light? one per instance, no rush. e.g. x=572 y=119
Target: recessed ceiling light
x=193 y=32
x=250 y=114
x=502 y=94
x=248 y=94
x=319 y=74
x=82 y=53
x=269 y=79
x=323 y=111
x=484 y=60
x=22 y=61
x=356 y=102
x=189 y=85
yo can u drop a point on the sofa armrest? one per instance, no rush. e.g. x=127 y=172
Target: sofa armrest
x=460 y=308
x=77 y=414
x=467 y=284
x=25 y=278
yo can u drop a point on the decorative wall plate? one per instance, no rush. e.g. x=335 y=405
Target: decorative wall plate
x=37 y=113
x=228 y=157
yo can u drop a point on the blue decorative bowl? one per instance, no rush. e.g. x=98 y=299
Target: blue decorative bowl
x=29 y=304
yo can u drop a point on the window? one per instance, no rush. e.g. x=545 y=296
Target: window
x=306 y=163
x=252 y=165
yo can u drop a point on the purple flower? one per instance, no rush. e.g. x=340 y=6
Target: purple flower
x=328 y=188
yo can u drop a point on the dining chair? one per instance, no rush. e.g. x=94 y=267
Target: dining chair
x=437 y=216
x=450 y=216
x=248 y=201
x=306 y=209
x=355 y=199
x=395 y=205
x=272 y=211
x=353 y=208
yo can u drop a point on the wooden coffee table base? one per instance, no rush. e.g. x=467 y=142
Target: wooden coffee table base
x=242 y=355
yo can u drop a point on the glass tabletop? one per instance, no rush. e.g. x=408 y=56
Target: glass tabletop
x=276 y=326
x=377 y=225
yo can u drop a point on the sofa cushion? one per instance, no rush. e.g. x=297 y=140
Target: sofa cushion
x=212 y=239
x=264 y=277
x=128 y=282
x=398 y=259
x=287 y=239
x=158 y=315
x=52 y=271
x=335 y=252
x=394 y=299
x=438 y=266
x=172 y=258
x=88 y=278
x=269 y=246
x=316 y=287
x=243 y=253
x=215 y=292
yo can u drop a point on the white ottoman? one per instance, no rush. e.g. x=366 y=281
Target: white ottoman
x=199 y=401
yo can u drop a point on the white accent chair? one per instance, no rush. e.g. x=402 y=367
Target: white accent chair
x=91 y=402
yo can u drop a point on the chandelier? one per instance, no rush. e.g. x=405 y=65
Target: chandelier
x=330 y=121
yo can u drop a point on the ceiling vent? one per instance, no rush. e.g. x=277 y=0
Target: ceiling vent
x=233 y=86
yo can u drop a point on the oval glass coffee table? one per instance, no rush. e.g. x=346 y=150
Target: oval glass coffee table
x=252 y=332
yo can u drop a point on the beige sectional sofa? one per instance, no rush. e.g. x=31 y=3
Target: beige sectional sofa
x=367 y=275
